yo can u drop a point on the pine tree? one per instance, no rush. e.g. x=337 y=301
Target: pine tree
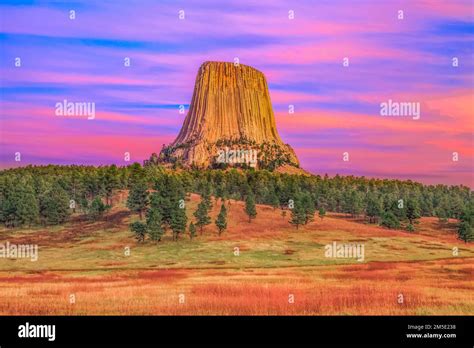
x=444 y=209
x=298 y=213
x=221 y=191
x=154 y=221
x=221 y=221
x=91 y=185
x=163 y=205
x=427 y=207
x=309 y=208
x=346 y=203
x=166 y=208
x=250 y=208
x=97 y=208
x=466 y=232
x=139 y=229
x=412 y=210
x=389 y=220
x=136 y=173
x=322 y=213
x=457 y=204
x=441 y=214
x=192 y=231
x=179 y=221
x=374 y=208
x=206 y=195
x=28 y=206
x=108 y=182
x=356 y=203
x=170 y=191
x=466 y=225
x=398 y=209
x=7 y=205
x=138 y=197
x=54 y=205
x=274 y=201
x=201 y=215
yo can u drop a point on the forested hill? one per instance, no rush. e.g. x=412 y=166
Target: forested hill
x=49 y=194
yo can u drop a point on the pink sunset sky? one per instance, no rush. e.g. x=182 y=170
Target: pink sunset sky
x=337 y=108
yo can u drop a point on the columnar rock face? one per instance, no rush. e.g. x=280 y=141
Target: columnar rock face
x=230 y=110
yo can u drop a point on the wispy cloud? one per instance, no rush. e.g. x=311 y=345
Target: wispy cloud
x=336 y=107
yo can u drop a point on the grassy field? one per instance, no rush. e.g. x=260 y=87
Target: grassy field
x=279 y=270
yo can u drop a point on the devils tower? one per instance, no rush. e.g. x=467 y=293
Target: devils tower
x=230 y=122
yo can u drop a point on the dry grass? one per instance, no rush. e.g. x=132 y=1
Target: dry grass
x=432 y=287
x=86 y=259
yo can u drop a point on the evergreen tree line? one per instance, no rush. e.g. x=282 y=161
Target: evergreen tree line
x=165 y=208
x=49 y=194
